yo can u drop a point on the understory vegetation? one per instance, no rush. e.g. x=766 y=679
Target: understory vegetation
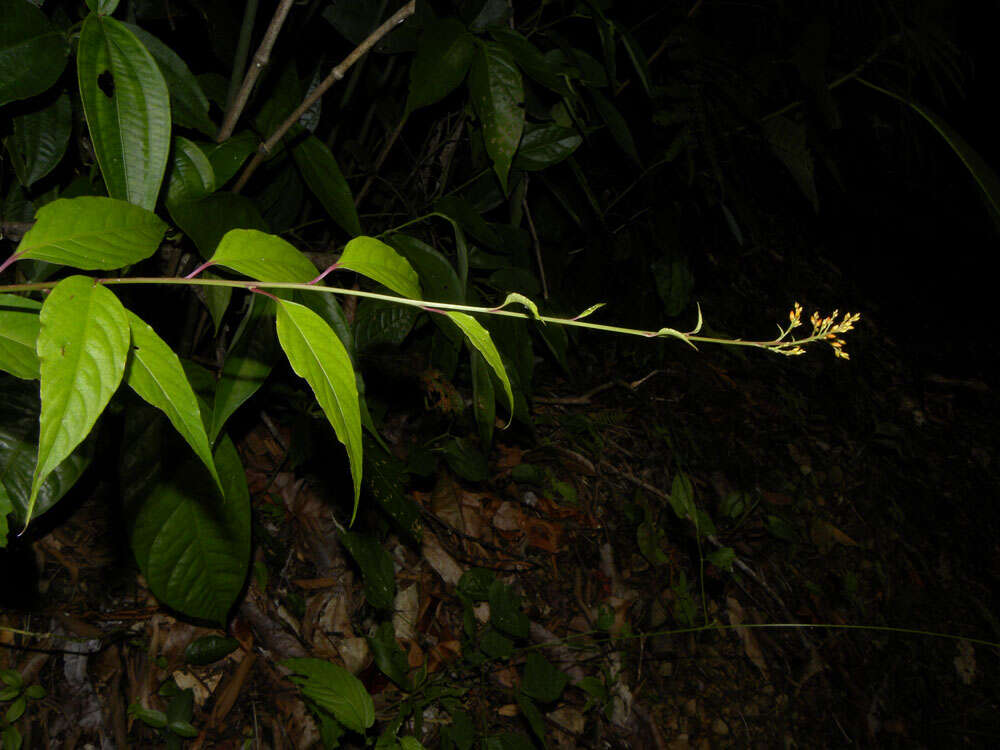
x=402 y=375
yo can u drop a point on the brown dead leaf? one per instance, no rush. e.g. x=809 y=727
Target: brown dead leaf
x=442 y=563
x=509 y=517
x=510 y=710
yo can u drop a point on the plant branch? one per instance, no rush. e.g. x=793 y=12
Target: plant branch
x=260 y=59
x=824 y=329
x=335 y=75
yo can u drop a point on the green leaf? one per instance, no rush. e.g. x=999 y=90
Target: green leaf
x=6 y=507
x=18 y=335
x=386 y=478
x=19 y=412
x=155 y=373
x=182 y=728
x=11 y=678
x=542 y=681
x=376 y=568
x=475 y=584
x=127 y=107
x=10 y=738
x=616 y=124
x=790 y=144
x=227 y=157
x=15 y=710
x=381 y=323
x=207 y=220
x=466 y=460
x=103 y=7
x=189 y=105
x=444 y=53
x=505 y=611
x=379 y=262
x=249 y=360
x=322 y=174
x=334 y=689
x=316 y=354
x=533 y=716
x=674 y=281
x=723 y=558
x=461 y=731
x=463 y=215
x=389 y=657
x=209 y=649
x=92 y=233
x=545 y=145
x=148 y=716
x=981 y=172
x=520 y=299
x=193 y=547
x=637 y=56
x=479 y=337
x=191 y=174
x=544 y=70
x=437 y=276
x=484 y=403
x=32 y=52
x=682 y=497
x=39 y=140
x=82 y=346
x=263 y=257
x=498 y=97
x=496 y=645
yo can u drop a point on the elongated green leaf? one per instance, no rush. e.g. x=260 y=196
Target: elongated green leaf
x=104 y=7
x=155 y=373
x=484 y=403
x=227 y=157
x=379 y=262
x=127 y=107
x=376 y=568
x=193 y=547
x=549 y=72
x=322 y=174
x=389 y=657
x=191 y=174
x=544 y=146
x=479 y=337
x=248 y=362
x=82 y=346
x=39 y=140
x=317 y=355
x=32 y=52
x=498 y=97
x=981 y=172
x=207 y=219
x=616 y=124
x=381 y=323
x=92 y=233
x=637 y=56
x=19 y=410
x=263 y=257
x=18 y=334
x=189 y=105
x=444 y=53
x=437 y=277
x=334 y=689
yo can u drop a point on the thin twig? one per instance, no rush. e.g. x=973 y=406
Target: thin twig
x=335 y=75
x=537 y=244
x=260 y=59
x=380 y=160
x=239 y=62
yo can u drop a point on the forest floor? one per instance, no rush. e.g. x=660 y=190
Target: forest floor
x=707 y=549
